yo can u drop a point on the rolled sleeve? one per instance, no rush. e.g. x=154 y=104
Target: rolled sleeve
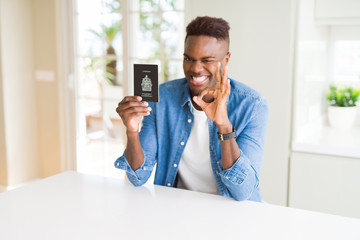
x=137 y=177
x=242 y=179
x=148 y=143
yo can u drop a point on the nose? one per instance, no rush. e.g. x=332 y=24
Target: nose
x=196 y=66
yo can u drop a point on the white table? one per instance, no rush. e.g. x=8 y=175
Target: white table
x=77 y=206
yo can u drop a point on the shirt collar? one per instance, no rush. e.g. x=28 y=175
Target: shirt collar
x=186 y=95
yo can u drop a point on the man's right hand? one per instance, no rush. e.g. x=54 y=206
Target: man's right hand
x=131 y=110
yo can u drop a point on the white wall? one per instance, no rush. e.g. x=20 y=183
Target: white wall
x=261 y=38
x=18 y=90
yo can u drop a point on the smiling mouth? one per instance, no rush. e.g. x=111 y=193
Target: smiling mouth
x=199 y=80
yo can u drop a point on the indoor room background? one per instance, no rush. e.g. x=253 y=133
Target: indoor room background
x=65 y=64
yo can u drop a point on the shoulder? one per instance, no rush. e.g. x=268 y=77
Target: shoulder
x=246 y=102
x=242 y=92
x=175 y=90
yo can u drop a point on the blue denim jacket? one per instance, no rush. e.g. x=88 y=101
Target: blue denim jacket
x=165 y=131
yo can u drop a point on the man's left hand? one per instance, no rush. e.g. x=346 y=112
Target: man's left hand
x=216 y=110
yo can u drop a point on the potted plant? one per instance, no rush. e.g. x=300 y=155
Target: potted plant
x=342 y=109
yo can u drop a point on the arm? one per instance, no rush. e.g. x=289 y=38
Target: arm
x=131 y=110
x=134 y=153
x=139 y=156
x=217 y=112
x=241 y=157
x=243 y=177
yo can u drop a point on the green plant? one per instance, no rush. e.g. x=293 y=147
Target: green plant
x=343 y=96
x=154 y=25
x=109 y=33
x=94 y=69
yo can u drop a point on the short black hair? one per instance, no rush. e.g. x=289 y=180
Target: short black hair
x=208 y=26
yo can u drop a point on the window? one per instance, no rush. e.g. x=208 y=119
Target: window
x=157 y=30
x=325 y=55
x=345 y=54
x=110 y=36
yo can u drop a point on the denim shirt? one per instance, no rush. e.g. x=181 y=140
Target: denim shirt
x=165 y=131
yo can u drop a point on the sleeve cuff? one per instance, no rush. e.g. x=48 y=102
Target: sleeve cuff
x=238 y=172
x=136 y=177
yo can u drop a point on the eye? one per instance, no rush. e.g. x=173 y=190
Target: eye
x=187 y=59
x=208 y=61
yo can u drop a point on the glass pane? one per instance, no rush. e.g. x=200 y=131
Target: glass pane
x=170 y=5
x=111 y=33
x=90 y=40
x=100 y=134
x=86 y=6
x=112 y=96
x=156 y=5
x=91 y=75
x=112 y=6
x=145 y=29
x=175 y=70
x=347 y=61
x=89 y=109
x=171 y=38
x=149 y=5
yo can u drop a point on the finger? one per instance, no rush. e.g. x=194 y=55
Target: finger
x=218 y=76
x=131 y=112
x=131 y=107
x=205 y=92
x=224 y=80
x=133 y=116
x=208 y=95
x=228 y=88
x=137 y=109
x=131 y=98
x=137 y=114
x=200 y=102
x=130 y=104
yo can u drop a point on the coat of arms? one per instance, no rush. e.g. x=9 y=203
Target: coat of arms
x=146 y=84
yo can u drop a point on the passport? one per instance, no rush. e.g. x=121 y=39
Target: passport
x=146 y=82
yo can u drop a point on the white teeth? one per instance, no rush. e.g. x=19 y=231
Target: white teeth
x=199 y=79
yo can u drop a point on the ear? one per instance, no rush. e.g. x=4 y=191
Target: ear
x=227 y=58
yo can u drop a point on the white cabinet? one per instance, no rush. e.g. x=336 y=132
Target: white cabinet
x=335 y=12
x=325 y=183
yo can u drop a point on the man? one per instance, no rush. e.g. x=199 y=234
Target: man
x=207 y=132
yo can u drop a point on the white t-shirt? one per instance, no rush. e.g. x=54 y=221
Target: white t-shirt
x=195 y=171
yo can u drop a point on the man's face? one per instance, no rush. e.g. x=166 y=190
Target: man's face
x=201 y=55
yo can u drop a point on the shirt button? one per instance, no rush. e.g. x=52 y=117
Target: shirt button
x=189 y=120
x=182 y=143
x=175 y=165
x=169 y=184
